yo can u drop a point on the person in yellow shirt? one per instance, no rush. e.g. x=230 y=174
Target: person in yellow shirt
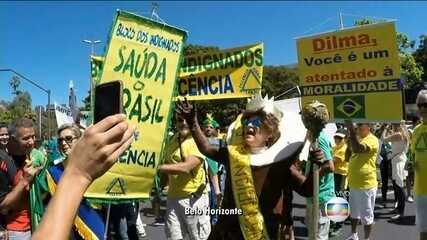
x=341 y=165
x=419 y=151
x=362 y=177
x=188 y=200
x=340 y=172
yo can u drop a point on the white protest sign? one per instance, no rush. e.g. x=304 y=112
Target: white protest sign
x=63 y=115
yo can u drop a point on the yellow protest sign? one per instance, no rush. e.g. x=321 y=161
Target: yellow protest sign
x=96 y=63
x=355 y=72
x=145 y=56
x=231 y=73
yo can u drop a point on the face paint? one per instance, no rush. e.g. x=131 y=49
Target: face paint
x=254 y=122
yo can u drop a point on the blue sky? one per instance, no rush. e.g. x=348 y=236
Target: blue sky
x=43 y=40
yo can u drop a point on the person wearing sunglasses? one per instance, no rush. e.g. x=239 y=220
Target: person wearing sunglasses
x=261 y=161
x=91 y=156
x=418 y=149
x=68 y=136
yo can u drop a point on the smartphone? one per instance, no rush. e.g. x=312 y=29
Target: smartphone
x=108 y=100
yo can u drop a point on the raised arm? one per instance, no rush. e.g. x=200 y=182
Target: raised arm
x=91 y=157
x=354 y=143
x=187 y=111
x=395 y=137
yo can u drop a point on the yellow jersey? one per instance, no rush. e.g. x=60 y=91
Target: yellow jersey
x=341 y=166
x=419 y=149
x=183 y=185
x=362 y=170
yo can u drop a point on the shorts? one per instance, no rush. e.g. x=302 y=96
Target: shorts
x=180 y=225
x=421 y=218
x=362 y=203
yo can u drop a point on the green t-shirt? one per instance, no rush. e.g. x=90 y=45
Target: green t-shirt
x=326 y=182
x=213 y=166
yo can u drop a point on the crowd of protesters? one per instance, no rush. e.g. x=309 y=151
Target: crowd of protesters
x=196 y=174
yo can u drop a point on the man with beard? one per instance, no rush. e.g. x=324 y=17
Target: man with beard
x=14 y=202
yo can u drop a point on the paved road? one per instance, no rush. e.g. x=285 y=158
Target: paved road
x=383 y=230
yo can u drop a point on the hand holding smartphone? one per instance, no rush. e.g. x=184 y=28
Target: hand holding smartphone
x=108 y=100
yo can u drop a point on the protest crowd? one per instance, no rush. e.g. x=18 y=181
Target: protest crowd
x=198 y=171
x=207 y=179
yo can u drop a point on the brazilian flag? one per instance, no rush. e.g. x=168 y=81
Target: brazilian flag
x=349 y=106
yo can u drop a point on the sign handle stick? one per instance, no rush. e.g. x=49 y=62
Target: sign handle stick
x=315 y=205
x=107 y=222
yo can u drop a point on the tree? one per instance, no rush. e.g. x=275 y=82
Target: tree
x=18 y=108
x=198 y=49
x=21 y=106
x=5 y=116
x=14 y=84
x=420 y=56
x=410 y=68
x=278 y=79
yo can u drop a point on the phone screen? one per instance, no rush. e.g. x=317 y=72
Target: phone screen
x=108 y=100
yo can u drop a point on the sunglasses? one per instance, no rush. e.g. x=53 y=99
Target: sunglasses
x=67 y=139
x=422 y=105
x=255 y=122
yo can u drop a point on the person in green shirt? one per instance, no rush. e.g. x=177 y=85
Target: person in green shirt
x=210 y=128
x=326 y=187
